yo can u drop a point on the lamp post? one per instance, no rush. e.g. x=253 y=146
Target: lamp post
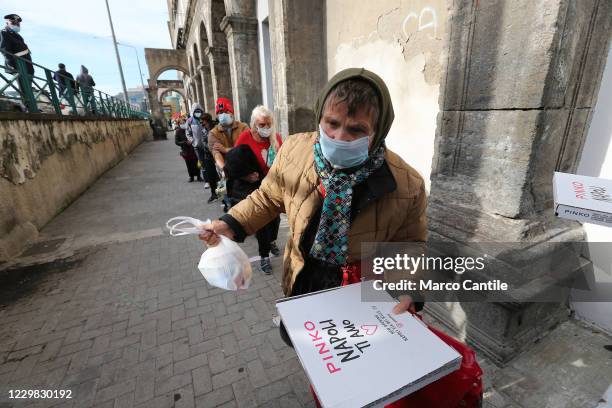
x=139 y=70
x=110 y=20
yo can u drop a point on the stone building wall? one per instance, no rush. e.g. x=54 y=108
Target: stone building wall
x=403 y=43
x=48 y=162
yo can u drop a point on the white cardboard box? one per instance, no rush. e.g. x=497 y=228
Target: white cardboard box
x=359 y=354
x=583 y=198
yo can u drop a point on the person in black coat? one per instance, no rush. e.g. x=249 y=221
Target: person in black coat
x=63 y=77
x=187 y=152
x=13 y=43
x=244 y=175
x=13 y=47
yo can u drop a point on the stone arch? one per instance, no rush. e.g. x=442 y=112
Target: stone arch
x=240 y=26
x=205 y=69
x=217 y=52
x=217 y=13
x=160 y=60
x=246 y=8
x=164 y=91
x=157 y=74
x=196 y=73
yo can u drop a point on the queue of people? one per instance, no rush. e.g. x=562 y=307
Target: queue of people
x=234 y=153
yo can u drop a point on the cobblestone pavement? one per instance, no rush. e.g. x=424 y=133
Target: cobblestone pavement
x=120 y=315
x=110 y=307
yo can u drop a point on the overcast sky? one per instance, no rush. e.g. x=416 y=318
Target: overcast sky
x=78 y=32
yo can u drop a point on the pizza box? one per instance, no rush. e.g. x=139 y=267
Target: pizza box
x=583 y=198
x=360 y=354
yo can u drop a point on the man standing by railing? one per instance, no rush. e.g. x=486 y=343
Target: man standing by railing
x=12 y=46
x=64 y=79
x=86 y=83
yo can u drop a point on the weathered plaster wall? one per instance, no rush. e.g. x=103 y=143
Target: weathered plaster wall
x=402 y=42
x=46 y=163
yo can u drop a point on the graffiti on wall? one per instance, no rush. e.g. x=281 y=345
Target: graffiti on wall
x=402 y=28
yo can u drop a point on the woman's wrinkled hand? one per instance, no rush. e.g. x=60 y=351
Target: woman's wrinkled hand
x=218 y=147
x=252 y=178
x=211 y=232
x=406 y=304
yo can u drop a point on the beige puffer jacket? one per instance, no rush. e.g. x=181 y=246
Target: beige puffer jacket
x=291 y=187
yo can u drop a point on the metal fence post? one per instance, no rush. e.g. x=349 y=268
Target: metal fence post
x=54 y=98
x=26 y=85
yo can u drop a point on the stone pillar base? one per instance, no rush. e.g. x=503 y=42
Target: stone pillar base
x=487 y=326
x=541 y=273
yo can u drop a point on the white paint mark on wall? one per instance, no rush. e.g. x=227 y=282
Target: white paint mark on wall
x=414 y=100
x=425 y=20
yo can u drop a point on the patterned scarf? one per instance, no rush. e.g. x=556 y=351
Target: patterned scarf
x=331 y=241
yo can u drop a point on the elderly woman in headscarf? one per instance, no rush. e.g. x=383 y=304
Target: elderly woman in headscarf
x=340 y=187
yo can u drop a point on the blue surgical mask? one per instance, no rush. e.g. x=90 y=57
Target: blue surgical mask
x=14 y=28
x=341 y=154
x=226 y=119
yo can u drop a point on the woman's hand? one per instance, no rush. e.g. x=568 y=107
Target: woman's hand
x=405 y=304
x=252 y=178
x=218 y=147
x=211 y=233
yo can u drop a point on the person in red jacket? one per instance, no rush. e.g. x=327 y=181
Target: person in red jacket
x=264 y=142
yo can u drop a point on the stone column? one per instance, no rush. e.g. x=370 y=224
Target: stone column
x=244 y=63
x=205 y=77
x=156 y=113
x=219 y=72
x=299 y=69
x=520 y=85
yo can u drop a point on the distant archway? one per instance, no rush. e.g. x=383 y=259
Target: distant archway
x=159 y=61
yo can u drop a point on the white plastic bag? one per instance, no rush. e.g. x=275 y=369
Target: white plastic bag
x=225 y=265
x=178 y=226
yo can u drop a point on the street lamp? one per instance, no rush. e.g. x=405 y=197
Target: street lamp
x=110 y=20
x=139 y=70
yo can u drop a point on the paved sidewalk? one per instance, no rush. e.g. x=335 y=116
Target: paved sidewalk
x=108 y=306
x=120 y=315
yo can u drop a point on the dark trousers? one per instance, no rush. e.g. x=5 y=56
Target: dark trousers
x=208 y=168
x=192 y=168
x=267 y=235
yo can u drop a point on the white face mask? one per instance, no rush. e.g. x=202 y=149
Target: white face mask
x=197 y=114
x=183 y=126
x=264 y=132
x=226 y=119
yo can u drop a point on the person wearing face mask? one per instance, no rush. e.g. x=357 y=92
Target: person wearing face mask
x=264 y=142
x=198 y=126
x=340 y=187
x=12 y=45
x=223 y=136
x=187 y=152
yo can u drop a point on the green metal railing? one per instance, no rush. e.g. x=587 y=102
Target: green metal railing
x=41 y=94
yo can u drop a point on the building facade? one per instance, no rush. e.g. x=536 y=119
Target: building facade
x=490 y=99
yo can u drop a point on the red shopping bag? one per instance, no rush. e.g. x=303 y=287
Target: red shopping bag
x=459 y=389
